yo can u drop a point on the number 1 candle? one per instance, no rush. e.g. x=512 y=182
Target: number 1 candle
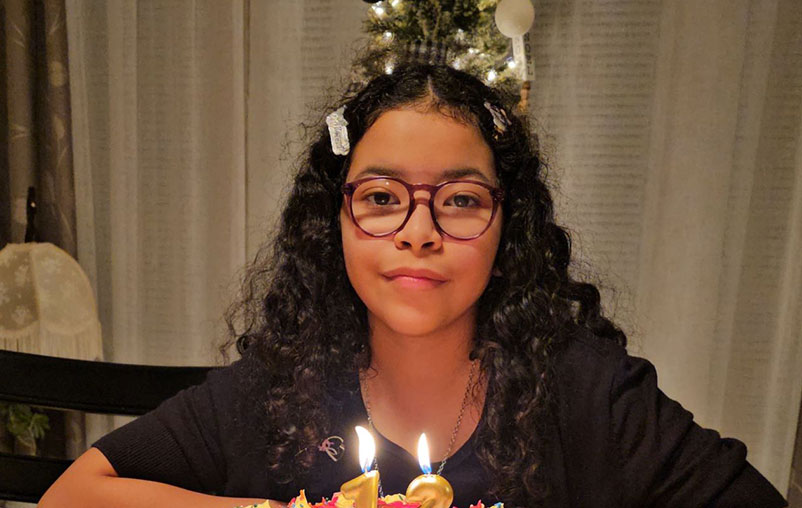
x=364 y=489
x=430 y=490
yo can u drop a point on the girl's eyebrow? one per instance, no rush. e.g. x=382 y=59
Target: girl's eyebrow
x=449 y=174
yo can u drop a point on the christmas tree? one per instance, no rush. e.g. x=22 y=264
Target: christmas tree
x=459 y=33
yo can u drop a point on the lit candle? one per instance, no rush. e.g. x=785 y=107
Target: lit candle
x=364 y=489
x=430 y=490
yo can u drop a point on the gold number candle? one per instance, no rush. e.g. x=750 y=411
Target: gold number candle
x=364 y=489
x=430 y=490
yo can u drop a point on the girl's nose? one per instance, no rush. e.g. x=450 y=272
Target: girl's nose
x=419 y=232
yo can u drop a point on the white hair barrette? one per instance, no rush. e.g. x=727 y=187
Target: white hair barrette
x=500 y=120
x=338 y=132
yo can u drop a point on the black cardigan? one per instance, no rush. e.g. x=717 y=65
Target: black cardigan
x=616 y=441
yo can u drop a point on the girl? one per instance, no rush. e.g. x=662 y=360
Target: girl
x=419 y=283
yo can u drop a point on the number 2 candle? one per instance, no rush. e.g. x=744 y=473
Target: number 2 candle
x=430 y=490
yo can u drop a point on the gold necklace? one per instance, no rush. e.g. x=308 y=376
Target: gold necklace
x=364 y=387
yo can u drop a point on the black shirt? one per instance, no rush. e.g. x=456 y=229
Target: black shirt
x=617 y=441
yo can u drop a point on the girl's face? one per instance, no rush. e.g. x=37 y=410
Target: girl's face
x=425 y=148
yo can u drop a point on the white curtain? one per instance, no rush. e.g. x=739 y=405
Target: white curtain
x=672 y=128
x=159 y=103
x=300 y=51
x=158 y=109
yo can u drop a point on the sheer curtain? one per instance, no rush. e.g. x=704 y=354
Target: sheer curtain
x=673 y=134
x=300 y=51
x=159 y=104
x=158 y=108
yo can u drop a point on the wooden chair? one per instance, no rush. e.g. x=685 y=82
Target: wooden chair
x=93 y=387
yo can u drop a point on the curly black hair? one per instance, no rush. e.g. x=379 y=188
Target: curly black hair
x=299 y=315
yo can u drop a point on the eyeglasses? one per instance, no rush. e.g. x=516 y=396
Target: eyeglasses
x=461 y=209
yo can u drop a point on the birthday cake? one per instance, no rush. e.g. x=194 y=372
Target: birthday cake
x=339 y=501
x=393 y=501
x=426 y=491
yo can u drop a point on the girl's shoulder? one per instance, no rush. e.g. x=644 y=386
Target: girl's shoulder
x=584 y=355
x=610 y=412
x=596 y=379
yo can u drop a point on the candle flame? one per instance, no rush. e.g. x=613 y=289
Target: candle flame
x=423 y=455
x=367 y=448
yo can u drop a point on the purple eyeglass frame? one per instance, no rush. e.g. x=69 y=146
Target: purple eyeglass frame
x=349 y=188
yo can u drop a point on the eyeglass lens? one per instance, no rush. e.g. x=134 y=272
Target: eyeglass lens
x=461 y=209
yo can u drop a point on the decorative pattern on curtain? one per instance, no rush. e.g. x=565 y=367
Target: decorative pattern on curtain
x=35 y=120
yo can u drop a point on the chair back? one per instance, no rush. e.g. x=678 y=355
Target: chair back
x=93 y=387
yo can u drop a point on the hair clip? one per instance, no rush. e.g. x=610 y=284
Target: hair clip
x=500 y=120
x=338 y=132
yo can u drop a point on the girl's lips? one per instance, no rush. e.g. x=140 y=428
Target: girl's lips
x=415 y=278
x=409 y=282
x=417 y=273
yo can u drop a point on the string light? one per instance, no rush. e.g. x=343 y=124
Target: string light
x=473 y=51
x=388 y=68
x=395 y=3
x=491 y=76
x=511 y=63
x=388 y=35
x=378 y=9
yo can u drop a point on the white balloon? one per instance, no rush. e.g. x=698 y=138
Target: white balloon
x=514 y=17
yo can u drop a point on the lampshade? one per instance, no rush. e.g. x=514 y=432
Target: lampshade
x=46 y=303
